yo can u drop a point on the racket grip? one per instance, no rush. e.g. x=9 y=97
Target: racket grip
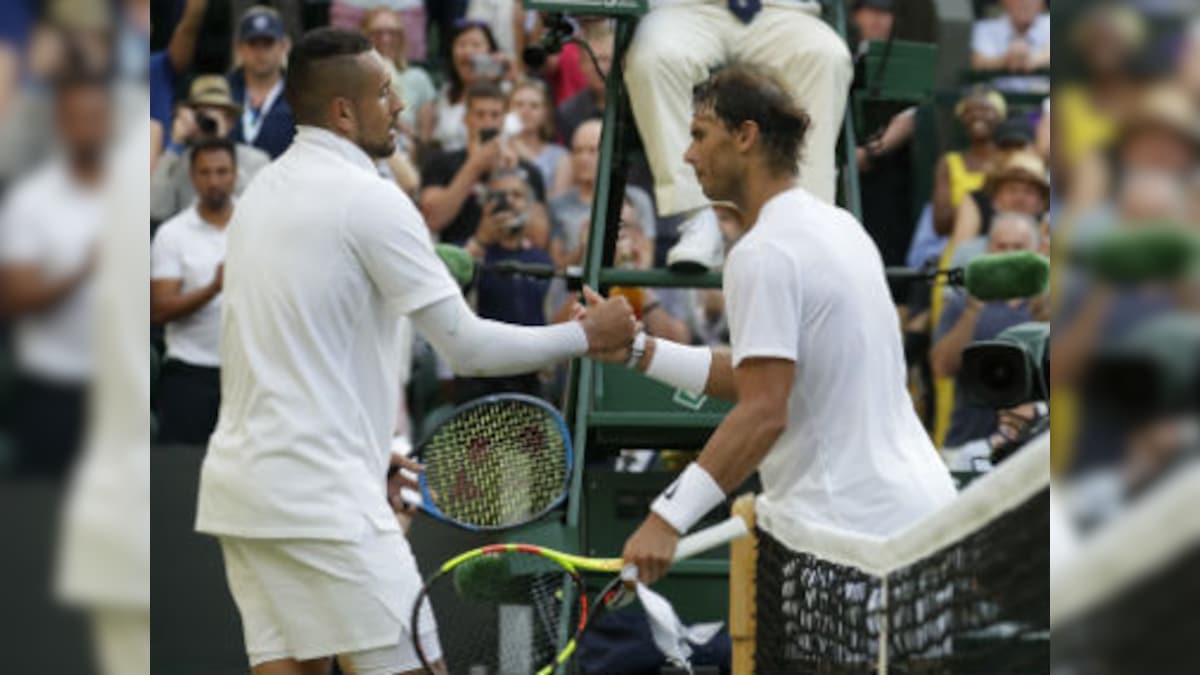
x=711 y=537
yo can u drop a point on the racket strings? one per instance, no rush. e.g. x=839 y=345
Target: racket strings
x=497 y=464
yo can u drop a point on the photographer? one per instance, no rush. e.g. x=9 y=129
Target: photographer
x=210 y=112
x=448 y=196
x=474 y=59
x=513 y=298
x=974 y=429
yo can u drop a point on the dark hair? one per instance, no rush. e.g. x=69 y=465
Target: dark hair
x=213 y=144
x=309 y=84
x=460 y=27
x=484 y=89
x=740 y=93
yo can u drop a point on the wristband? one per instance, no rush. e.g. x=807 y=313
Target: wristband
x=693 y=494
x=637 y=351
x=680 y=366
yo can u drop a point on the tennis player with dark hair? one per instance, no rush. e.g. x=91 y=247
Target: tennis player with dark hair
x=324 y=258
x=816 y=367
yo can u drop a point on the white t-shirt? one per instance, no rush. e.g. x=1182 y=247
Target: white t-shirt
x=188 y=248
x=324 y=258
x=807 y=284
x=52 y=222
x=992 y=38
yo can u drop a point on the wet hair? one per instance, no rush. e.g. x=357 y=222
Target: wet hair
x=740 y=93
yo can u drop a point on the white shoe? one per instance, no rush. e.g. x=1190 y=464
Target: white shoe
x=700 y=246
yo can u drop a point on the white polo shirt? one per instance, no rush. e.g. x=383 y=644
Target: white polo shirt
x=807 y=284
x=993 y=37
x=324 y=257
x=52 y=222
x=189 y=249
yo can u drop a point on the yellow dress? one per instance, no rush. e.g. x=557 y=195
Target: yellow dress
x=963 y=182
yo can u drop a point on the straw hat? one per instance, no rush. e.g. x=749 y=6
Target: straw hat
x=1023 y=166
x=1165 y=107
x=213 y=90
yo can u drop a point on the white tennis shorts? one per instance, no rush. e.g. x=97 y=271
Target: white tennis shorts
x=305 y=599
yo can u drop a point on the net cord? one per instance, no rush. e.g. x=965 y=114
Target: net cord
x=1014 y=481
x=1143 y=539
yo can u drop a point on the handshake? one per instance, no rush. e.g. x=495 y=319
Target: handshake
x=610 y=326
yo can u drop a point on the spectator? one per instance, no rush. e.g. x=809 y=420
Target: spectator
x=1018 y=42
x=350 y=14
x=257 y=87
x=966 y=320
x=48 y=232
x=589 y=102
x=512 y=298
x=448 y=196
x=507 y=21
x=210 y=112
x=385 y=28
x=873 y=20
x=531 y=102
x=1162 y=133
x=186 y=275
x=959 y=173
x=675 y=46
x=570 y=212
x=474 y=57
x=1019 y=185
x=167 y=66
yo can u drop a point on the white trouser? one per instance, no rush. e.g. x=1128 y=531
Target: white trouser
x=676 y=46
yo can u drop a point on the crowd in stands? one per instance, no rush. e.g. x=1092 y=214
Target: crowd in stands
x=502 y=159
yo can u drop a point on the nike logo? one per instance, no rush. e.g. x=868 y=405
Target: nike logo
x=670 y=491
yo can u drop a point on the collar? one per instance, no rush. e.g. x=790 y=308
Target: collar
x=331 y=142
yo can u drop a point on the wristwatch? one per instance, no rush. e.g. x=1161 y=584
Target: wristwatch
x=637 y=351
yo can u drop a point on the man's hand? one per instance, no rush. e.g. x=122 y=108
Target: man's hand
x=401 y=479
x=651 y=548
x=609 y=324
x=183 y=127
x=483 y=157
x=491 y=224
x=218 y=282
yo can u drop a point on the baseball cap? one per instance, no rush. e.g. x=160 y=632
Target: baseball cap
x=260 y=22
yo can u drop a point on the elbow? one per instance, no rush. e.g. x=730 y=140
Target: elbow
x=769 y=414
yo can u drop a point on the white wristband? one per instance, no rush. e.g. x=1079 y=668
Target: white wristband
x=693 y=494
x=680 y=366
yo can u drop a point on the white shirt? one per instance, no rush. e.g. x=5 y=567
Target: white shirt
x=807 y=284
x=52 y=222
x=324 y=258
x=992 y=38
x=188 y=248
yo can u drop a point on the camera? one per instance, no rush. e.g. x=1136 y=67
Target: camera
x=1151 y=372
x=487 y=67
x=1010 y=370
x=499 y=200
x=207 y=124
x=486 y=135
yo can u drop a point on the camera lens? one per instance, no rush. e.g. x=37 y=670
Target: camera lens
x=206 y=124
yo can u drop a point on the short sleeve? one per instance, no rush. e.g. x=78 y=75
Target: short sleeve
x=438 y=171
x=389 y=237
x=166 y=256
x=763 y=301
x=20 y=236
x=952 y=311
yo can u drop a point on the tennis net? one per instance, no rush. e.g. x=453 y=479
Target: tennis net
x=964 y=591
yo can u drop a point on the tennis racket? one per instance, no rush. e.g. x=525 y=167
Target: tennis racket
x=535 y=599
x=497 y=462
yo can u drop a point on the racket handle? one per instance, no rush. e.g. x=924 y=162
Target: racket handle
x=711 y=537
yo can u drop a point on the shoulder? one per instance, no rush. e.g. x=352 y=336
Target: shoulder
x=176 y=226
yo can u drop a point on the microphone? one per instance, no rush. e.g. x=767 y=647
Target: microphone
x=459 y=262
x=1007 y=276
x=1146 y=254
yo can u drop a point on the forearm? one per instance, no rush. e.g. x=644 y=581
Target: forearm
x=182 y=48
x=441 y=204
x=180 y=305
x=946 y=355
x=980 y=62
x=739 y=445
x=24 y=293
x=1073 y=344
x=477 y=347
